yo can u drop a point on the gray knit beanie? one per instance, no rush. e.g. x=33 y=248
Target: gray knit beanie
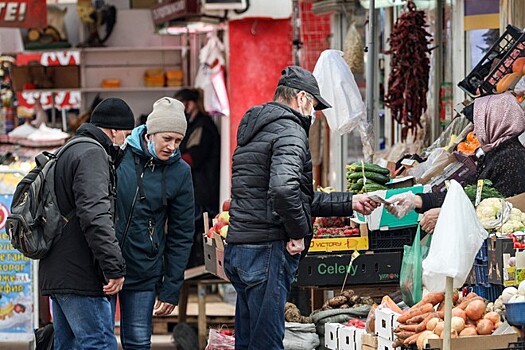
x=167 y=116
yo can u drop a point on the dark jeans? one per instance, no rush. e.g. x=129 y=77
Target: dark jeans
x=82 y=323
x=136 y=313
x=262 y=275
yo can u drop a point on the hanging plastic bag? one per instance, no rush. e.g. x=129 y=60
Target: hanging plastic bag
x=337 y=85
x=457 y=238
x=220 y=339
x=410 y=278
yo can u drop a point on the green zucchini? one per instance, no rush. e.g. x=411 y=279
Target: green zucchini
x=373 y=187
x=376 y=177
x=356 y=187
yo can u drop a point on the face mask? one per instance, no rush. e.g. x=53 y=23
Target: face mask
x=151 y=148
x=312 y=115
x=124 y=144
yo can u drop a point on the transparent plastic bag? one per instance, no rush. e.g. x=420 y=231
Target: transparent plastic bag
x=410 y=278
x=457 y=238
x=220 y=339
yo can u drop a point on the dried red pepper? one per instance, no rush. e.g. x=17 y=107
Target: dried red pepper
x=410 y=66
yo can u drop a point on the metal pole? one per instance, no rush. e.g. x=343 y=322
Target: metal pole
x=370 y=70
x=438 y=69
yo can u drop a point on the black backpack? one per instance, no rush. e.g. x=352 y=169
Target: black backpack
x=35 y=221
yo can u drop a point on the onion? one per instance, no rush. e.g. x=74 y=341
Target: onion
x=440 y=326
x=475 y=309
x=468 y=332
x=457 y=323
x=453 y=334
x=484 y=327
x=460 y=313
x=492 y=316
x=431 y=324
x=497 y=324
x=430 y=336
x=422 y=337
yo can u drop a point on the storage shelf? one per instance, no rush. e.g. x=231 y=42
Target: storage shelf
x=132 y=89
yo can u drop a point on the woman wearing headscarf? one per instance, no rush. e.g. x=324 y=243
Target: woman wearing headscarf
x=499 y=121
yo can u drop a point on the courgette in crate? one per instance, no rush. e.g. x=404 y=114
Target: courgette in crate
x=357 y=166
x=376 y=177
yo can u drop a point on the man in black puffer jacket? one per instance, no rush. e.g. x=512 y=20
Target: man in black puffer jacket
x=272 y=205
x=85 y=265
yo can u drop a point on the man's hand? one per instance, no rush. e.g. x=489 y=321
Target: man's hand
x=114 y=286
x=295 y=246
x=428 y=223
x=362 y=204
x=163 y=308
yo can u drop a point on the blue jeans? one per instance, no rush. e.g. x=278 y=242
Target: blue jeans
x=82 y=323
x=136 y=313
x=262 y=275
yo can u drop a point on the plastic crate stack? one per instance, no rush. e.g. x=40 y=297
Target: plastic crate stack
x=391 y=240
x=482 y=287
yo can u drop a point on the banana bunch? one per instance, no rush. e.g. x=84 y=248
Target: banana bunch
x=328 y=189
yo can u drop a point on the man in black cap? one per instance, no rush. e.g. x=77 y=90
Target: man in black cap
x=85 y=265
x=272 y=205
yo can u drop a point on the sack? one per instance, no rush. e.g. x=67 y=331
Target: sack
x=410 y=278
x=35 y=221
x=300 y=336
x=44 y=337
x=457 y=238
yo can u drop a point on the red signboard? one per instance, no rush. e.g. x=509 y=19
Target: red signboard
x=51 y=58
x=23 y=13
x=174 y=9
x=62 y=99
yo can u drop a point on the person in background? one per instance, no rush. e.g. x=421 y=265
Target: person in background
x=154 y=192
x=86 y=265
x=201 y=150
x=272 y=205
x=499 y=121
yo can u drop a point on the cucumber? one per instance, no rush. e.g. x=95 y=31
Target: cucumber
x=356 y=187
x=373 y=187
x=368 y=167
x=376 y=177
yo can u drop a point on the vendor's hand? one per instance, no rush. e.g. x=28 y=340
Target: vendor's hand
x=163 y=308
x=362 y=204
x=295 y=246
x=428 y=223
x=114 y=286
x=403 y=203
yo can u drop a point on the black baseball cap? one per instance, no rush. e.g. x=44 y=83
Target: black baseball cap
x=299 y=78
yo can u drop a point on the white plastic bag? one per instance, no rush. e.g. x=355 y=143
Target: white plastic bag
x=337 y=85
x=457 y=238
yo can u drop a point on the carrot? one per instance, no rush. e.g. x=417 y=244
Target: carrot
x=417 y=319
x=408 y=327
x=404 y=334
x=414 y=311
x=441 y=306
x=412 y=339
x=423 y=325
x=389 y=303
x=463 y=304
x=396 y=344
x=455 y=297
x=432 y=298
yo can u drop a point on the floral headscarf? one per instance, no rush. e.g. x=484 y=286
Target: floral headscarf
x=497 y=118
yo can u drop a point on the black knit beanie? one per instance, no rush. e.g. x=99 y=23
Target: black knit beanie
x=113 y=113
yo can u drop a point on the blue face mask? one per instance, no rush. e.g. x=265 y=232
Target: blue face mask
x=151 y=148
x=312 y=115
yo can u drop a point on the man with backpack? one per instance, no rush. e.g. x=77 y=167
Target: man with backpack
x=85 y=265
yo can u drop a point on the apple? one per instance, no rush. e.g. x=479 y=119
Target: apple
x=226 y=205
x=224 y=231
x=210 y=232
x=217 y=227
x=224 y=217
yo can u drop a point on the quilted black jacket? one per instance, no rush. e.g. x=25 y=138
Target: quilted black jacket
x=272 y=190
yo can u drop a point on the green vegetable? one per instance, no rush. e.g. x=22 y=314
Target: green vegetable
x=356 y=187
x=372 y=187
x=376 y=177
x=487 y=192
x=357 y=166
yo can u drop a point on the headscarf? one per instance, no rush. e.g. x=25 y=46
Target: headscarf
x=497 y=118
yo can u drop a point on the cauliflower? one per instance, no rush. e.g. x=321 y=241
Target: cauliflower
x=515 y=214
x=488 y=209
x=507 y=228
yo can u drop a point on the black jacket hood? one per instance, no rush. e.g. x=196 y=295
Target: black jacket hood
x=259 y=116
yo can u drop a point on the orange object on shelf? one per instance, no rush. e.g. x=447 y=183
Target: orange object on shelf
x=110 y=83
x=154 y=77
x=470 y=145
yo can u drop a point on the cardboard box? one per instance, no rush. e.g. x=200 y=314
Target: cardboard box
x=401 y=182
x=464 y=171
x=331 y=269
x=214 y=255
x=369 y=340
x=381 y=219
x=386 y=344
x=45 y=77
x=385 y=323
x=499 y=251
x=331 y=335
x=366 y=347
x=518 y=201
x=480 y=342
x=350 y=338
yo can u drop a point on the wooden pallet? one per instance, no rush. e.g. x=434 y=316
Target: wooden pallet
x=165 y=325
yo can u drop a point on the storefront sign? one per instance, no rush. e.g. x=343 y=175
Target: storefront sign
x=62 y=99
x=23 y=13
x=16 y=302
x=174 y=9
x=52 y=58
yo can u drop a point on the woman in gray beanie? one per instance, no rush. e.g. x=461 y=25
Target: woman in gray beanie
x=154 y=188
